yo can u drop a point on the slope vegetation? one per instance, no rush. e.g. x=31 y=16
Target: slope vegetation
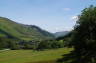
x=11 y=29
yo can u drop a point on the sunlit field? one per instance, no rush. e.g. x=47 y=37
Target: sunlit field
x=30 y=56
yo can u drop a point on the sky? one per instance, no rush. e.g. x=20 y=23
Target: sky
x=51 y=15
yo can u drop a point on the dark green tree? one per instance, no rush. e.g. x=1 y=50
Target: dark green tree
x=3 y=43
x=13 y=45
x=46 y=44
x=57 y=44
x=84 y=38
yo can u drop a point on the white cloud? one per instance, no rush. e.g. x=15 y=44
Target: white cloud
x=75 y=18
x=66 y=9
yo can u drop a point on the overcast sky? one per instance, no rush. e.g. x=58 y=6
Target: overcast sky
x=51 y=15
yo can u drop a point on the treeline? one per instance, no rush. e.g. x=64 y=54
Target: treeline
x=6 y=43
x=50 y=44
x=13 y=44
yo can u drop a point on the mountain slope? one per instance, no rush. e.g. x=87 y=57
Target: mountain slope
x=11 y=29
x=59 y=34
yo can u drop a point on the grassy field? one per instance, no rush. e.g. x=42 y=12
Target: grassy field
x=30 y=56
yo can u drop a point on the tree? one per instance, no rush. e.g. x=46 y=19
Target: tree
x=46 y=44
x=50 y=44
x=57 y=44
x=3 y=43
x=84 y=37
x=13 y=45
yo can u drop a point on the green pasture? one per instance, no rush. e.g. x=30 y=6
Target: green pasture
x=31 y=56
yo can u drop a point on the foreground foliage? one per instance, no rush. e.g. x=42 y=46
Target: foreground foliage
x=84 y=38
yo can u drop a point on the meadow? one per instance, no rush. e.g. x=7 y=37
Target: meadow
x=31 y=56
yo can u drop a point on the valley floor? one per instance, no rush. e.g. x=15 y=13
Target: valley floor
x=30 y=56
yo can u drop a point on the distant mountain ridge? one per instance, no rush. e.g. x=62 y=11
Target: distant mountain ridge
x=62 y=33
x=11 y=29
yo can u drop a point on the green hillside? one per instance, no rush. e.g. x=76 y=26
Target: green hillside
x=11 y=29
